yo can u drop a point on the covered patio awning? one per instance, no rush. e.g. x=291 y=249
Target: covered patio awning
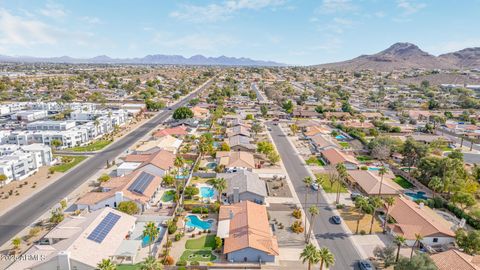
x=223 y=228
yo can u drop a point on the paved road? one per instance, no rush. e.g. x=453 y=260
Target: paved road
x=260 y=96
x=327 y=234
x=27 y=212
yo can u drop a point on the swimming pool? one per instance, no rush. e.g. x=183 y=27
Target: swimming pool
x=419 y=195
x=340 y=137
x=207 y=192
x=146 y=238
x=211 y=165
x=374 y=168
x=194 y=221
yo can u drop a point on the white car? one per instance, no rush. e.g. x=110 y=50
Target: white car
x=315 y=186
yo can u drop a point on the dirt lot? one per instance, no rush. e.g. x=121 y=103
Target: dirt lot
x=278 y=188
x=350 y=217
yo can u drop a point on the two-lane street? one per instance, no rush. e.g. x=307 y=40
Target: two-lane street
x=27 y=212
x=327 y=234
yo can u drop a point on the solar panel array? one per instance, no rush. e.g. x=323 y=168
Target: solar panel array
x=102 y=229
x=141 y=183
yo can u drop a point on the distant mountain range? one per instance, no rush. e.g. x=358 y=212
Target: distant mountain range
x=158 y=59
x=408 y=56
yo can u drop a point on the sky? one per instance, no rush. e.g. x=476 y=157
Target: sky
x=297 y=32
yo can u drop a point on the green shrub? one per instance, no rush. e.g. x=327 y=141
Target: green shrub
x=172 y=228
x=198 y=210
x=181 y=263
x=297 y=213
x=194 y=263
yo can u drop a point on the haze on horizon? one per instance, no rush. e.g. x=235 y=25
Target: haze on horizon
x=286 y=31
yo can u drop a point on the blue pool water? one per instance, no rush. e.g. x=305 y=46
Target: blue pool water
x=207 y=192
x=179 y=176
x=194 y=221
x=211 y=165
x=216 y=144
x=340 y=137
x=373 y=168
x=420 y=195
x=146 y=238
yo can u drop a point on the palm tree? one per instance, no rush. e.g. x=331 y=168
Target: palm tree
x=389 y=201
x=16 y=242
x=220 y=184
x=179 y=162
x=376 y=202
x=150 y=263
x=381 y=172
x=342 y=175
x=313 y=210
x=106 y=264
x=310 y=255
x=364 y=207
x=319 y=181
x=418 y=240
x=308 y=182
x=326 y=257
x=400 y=241
x=150 y=230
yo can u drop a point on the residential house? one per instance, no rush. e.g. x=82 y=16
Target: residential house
x=241 y=143
x=369 y=183
x=140 y=187
x=333 y=156
x=246 y=233
x=178 y=132
x=233 y=161
x=238 y=130
x=456 y=259
x=321 y=142
x=412 y=218
x=159 y=163
x=200 y=113
x=79 y=242
x=167 y=142
x=244 y=185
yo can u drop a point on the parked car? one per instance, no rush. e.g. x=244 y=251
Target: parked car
x=354 y=195
x=315 y=186
x=336 y=219
x=365 y=265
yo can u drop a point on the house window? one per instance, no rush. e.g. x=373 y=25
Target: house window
x=435 y=240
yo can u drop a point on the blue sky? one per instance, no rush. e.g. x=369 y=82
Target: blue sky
x=288 y=31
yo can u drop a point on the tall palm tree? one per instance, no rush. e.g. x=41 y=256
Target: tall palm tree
x=319 y=181
x=313 y=210
x=220 y=184
x=326 y=257
x=389 y=201
x=179 y=162
x=309 y=254
x=106 y=264
x=342 y=175
x=150 y=230
x=381 y=172
x=150 y=263
x=364 y=207
x=308 y=182
x=376 y=202
x=418 y=240
x=400 y=241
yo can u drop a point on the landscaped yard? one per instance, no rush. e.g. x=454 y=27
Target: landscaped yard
x=95 y=146
x=207 y=241
x=199 y=249
x=67 y=166
x=198 y=255
x=364 y=158
x=328 y=187
x=344 y=145
x=313 y=160
x=128 y=267
x=350 y=217
x=168 y=195
x=402 y=182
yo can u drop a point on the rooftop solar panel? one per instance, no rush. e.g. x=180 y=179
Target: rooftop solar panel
x=102 y=229
x=141 y=183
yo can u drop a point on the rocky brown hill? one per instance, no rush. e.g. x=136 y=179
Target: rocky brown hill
x=407 y=56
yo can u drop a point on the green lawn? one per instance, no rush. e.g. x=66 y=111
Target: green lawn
x=364 y=158
x=207 y=241
x=313 y=160
x=344 y=145
x=168 y=195
x=128 y=267
x=95 y=146
x=67 y=166
x=201 y=255
x=328 y=188
x=402 y=182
